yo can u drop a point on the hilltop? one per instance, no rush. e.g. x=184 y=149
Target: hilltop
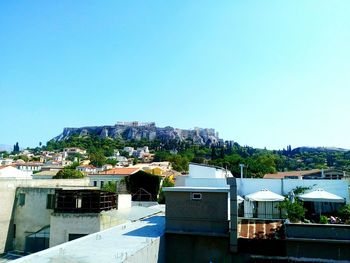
x=143 y=131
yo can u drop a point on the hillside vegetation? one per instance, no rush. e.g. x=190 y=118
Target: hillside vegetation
x=257 y=161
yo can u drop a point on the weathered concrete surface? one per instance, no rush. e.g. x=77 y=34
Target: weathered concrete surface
x=7 y=203
x=140 y=241
x=33 y=216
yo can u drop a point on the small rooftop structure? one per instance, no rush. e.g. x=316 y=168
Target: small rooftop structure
x=197 y=210
x=84 y=201
x=207 y=171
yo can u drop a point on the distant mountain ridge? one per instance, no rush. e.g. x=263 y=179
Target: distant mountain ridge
x=149 y=131
x=318 y=149
x=6 y=147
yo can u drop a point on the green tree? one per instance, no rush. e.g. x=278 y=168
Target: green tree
x=67 y=173
x=111 y=161
x=167 y=182
x=16 y=148
x=97 y=159
x=344 y=213
x=110 y=187
x=22 y=157
x=179 y=163
x=295 y=212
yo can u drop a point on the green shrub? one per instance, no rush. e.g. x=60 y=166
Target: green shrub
x=295 y=212
x=344 y=213
x=323 y=220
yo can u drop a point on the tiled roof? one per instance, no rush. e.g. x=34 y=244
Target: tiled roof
x=29 y=164
x=281 y=175
x=121 y=171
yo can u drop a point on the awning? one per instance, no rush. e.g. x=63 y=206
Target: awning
x=239 y=199
x=264 y=195
x=321 y=195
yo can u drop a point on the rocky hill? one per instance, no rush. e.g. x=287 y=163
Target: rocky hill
x=148 y=131
x=306 y=149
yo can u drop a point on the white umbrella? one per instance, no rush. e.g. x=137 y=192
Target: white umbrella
x=239 y=199
x=321 y=195
x=264 y=195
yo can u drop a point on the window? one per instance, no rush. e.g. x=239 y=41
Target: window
x=102 y=184
x=95 y=183
x=50 y=201
x=75 y=236
x=196 y=196
x=78 y=202
x=21 y=199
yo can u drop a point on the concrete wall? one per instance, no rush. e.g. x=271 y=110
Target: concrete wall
x=7 y=200
x=33 y=215
x=154 y=252
x=208 y=215
x=194 y=248
x=63 y=224
x=318 y=241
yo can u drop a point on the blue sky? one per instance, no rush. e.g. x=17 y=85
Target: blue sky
x=262 y=73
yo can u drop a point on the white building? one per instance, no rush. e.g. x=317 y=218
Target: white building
x=129 y=150
x=204 y=176
x=10 y=198
x=9 y=172
x=87 y=169
x=5 y=161
x=112 y=175
x=29 y=167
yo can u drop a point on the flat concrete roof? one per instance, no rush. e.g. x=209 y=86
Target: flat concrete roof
x=112 y=245
x=197 y=189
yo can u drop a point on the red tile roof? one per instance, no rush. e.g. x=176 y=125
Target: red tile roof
x=121 y=171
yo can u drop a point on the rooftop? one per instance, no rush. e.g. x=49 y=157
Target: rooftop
x=112 y=245
x=197 y=189
x=281 y=175
x=121 y=171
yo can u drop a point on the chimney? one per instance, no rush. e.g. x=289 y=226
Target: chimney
x=231 y=181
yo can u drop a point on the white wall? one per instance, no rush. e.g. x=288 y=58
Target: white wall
x=284 y=186
x=123 y=201
x=201 y=171
x=13 y=173
x=206 y=182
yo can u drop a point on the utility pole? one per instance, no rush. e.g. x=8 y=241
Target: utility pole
x=242 y=166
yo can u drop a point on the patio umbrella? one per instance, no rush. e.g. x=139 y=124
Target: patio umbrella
x=321 y=195
x=239 y=199
x=264 y=195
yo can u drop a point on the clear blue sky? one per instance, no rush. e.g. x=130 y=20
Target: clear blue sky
x=262 y=73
